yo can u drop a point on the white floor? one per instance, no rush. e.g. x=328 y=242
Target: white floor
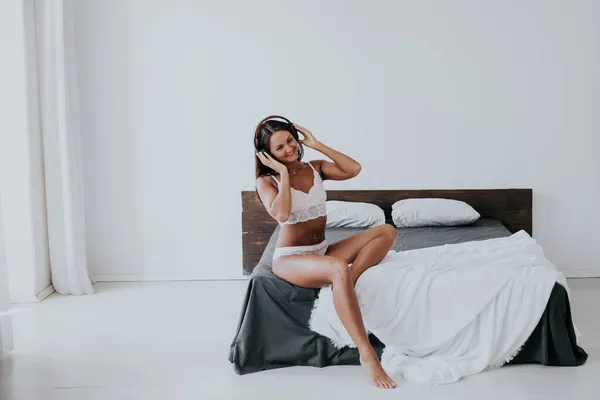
x=170 y=341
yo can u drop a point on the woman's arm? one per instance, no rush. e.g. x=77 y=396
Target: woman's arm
x=276 y=198
x=342 y=167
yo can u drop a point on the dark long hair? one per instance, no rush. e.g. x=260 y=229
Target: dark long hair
x=262 y=143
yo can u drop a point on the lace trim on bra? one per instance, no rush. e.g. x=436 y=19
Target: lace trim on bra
x=312 y=212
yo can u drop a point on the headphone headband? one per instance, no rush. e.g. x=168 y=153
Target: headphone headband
x=270 y=117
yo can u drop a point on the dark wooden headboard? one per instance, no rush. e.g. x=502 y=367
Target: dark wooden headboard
x=512 y=207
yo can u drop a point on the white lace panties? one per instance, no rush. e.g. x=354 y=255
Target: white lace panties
x=319 y=248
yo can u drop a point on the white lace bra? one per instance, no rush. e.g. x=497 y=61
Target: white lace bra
x=307 y=206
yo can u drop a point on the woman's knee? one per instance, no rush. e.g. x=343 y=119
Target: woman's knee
x=339 y=270
x=389 y=231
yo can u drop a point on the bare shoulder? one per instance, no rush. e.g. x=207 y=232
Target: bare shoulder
x=265 y=182
x=331 y=171
x=318 y=165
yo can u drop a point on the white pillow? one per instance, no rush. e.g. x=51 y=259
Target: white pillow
x=412 y=213
x=353 y=214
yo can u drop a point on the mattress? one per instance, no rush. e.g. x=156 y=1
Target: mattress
x=273 y=331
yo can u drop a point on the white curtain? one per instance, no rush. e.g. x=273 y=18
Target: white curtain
x=6 y=336
x=59 y=109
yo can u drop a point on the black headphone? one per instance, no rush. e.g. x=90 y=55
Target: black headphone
x=261 y=123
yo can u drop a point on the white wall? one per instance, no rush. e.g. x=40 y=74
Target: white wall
x=6 y=334
x=462 y=94
x=21 y=155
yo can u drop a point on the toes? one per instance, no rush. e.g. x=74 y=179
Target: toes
x=383 y=385
x=389 y=383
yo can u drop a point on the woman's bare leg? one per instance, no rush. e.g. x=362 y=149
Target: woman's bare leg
x=365 y=249
x=314 y=271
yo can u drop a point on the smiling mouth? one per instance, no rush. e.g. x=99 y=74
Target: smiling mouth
x=291 y=154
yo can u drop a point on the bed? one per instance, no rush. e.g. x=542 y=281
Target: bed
x=273 y=330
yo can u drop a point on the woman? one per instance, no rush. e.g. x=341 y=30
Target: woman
x=292 y=192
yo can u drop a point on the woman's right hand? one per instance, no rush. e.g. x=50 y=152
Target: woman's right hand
x=270 y=162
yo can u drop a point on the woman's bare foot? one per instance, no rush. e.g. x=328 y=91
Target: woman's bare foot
x=375 y=371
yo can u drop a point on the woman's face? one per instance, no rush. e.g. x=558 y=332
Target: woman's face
x=283 y=146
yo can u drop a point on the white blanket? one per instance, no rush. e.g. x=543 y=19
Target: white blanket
x=449 y=311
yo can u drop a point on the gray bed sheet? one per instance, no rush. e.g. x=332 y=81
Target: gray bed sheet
x=273 y=328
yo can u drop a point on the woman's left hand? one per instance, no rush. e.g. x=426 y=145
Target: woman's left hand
x=309 y=140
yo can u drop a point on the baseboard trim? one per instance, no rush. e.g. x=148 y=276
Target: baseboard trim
x=27 y=299
x=6 y=335
x=583 y=273
x=44 y=294
x=158 y=278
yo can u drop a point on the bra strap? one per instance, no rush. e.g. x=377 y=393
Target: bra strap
x=314 y=169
